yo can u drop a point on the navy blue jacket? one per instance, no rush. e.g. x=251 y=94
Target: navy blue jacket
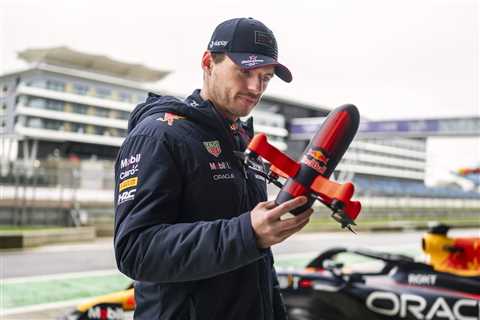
x=182 y=217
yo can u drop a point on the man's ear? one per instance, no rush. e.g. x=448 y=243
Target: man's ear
x=207 y=62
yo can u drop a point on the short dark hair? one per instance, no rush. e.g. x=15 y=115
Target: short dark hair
x=218 y=57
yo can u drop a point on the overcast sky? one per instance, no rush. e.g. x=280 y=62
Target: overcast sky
x=393 y=59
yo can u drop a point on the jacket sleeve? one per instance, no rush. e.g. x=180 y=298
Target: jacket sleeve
x=149 y=243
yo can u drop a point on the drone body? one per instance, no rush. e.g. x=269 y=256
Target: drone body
x=310 y=176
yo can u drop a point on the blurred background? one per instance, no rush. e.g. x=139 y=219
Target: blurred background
x=71 y=72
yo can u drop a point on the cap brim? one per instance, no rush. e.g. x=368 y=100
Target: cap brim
x=253 y=61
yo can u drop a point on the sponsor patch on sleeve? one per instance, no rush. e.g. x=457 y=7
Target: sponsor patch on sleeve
x=127 y=162
x=132 y=182
x=213 y=147
x=126 y=196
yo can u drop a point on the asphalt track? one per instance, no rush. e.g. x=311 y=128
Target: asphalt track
x=41 y=283
x=98 y=255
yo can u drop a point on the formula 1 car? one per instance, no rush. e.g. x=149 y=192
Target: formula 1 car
x=458 y=255
x=112 y=306
x=396 y=288
x=343 y=284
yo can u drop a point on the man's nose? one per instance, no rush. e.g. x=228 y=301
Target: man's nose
x=255 y=85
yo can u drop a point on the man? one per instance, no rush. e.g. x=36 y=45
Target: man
x=191 y=224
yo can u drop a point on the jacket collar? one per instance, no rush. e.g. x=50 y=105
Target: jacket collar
x=195 y=100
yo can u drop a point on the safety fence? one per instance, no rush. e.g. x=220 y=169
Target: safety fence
x=60 y=192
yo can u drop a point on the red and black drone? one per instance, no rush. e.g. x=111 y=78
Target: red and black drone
x=310 y=176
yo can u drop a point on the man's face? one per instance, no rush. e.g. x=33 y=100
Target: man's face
x=236 y=91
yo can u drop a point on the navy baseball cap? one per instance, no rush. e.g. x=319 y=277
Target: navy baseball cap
x=250 y=44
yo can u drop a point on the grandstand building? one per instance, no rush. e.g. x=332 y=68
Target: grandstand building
x=69 y=103
x=73 y=104
x=387 y=167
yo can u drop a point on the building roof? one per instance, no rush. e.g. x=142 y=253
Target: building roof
x=66 y=57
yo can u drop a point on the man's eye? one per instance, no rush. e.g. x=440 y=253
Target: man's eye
x=245 y=72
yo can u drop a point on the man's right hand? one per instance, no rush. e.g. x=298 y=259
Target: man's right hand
x=268 y=226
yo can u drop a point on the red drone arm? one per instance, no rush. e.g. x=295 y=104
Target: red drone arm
x=281 y=162
x=329 y=190
x=278 y=172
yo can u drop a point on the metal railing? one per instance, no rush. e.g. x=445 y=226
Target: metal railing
x=54 y=191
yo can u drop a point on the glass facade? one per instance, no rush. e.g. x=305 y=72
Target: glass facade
x=79 y=108
x=35 y=102
x=103 y=93
x=58 y=105
x=55 y=85
x=80 y=89
x=66 y=126
x=124 y=96
x=84 y=89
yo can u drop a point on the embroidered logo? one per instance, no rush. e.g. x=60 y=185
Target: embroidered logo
x=132 y=182
x=218 y=43
x=170 y=118
x=252 y=61
x=131 y=160
x=265 y=39
x=213 y=147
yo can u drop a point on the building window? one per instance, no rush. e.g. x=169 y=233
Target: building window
x=53 y=125
x=100 y=112
x=55 y=105
x=35 y=123
x=56 y=85
x=125 y=96
x=78 y=127
x=79 y=108
x=80 y=89
x=37 y=83
x=124 y=115
x=99 y=131
x=113 y=132
x=103 y=93
x=37 y=103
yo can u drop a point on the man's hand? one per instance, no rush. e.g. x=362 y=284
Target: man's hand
x=268 y=226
